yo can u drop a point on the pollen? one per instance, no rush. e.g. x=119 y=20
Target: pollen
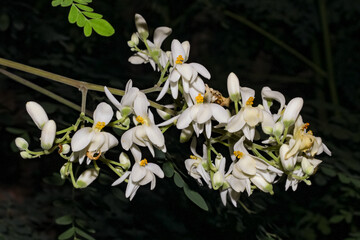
x=140 y=119
x=305 y=126
x=193 y=157
x=100 y=125
x=238 y=154
x=250 y=101
x=199 y=98
x=310 y=132
x=143 y=162
x=179 y=60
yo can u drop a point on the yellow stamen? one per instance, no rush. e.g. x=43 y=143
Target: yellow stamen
x=100 y=125
x=305 y=126
x=193 y=157
x=140 y=119
x=238 y=154
x=143 y=162
x=179 y=60
x=310 y=132
x=199 y=98
x=91 y=155
x=250 y=101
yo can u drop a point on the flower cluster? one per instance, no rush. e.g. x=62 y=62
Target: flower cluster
x=265 y=144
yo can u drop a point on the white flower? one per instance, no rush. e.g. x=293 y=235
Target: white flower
x=200 y=115
x=268 y=96
x=37 y=114
x=248 y=117
x=48 y=135
x=145 y=134
x=90 y=141
x=160 y=34
x=196 y=165
x=187 y=72
x=21 y=143
x=87 y=177
x=141 y=26
x=142 y=173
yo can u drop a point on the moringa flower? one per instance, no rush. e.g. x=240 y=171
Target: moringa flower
x=48 y=135
x=201 y=114
x=292 y=111
x=141 y=174
x=91 y=141
x=233 y=87
x=37 y=114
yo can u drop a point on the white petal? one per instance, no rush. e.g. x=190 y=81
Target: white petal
x=136 y=152
x=81 y=139
x=141 y=104
x=236 y=123
x=37 y=113
x=185 y=71
x=111 y=141
x=246 y=93
x=163 y=90
x=160 y=34
x=155 y=169
x=138 y=172
x=247 y=164
x=219 y=113
x=112 y=99
x=155 y=135
x=203 y=114
x=127 y=139
x=103 y=113
x=97 y=141
x=176 y=50
x=201 y=69
x=129 y=98
x=184 y=120
x=174 y=75
x=136 y=59
x=121 y=179
x=208 y=129
x=174 y=89
x=150 y=147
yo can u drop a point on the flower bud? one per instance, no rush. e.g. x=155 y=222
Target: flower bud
x=25 y=155
x=163 y=115
x=48 y=135
x=278 y=129
x=218 y=160
x=186 y=134
x=37 y=114
x=233 y=87
x=135 y=39
x=287 y=163
x=262 y=184
x=65 y=149
x=217 y=180
x=267 y=123
x=87 y=177
x=125 y=111
x=306 y=166
x=125 y=160
x=126 y=122
x=141 y=27
x=292 y=111
x=63 y=172
x=21 y=143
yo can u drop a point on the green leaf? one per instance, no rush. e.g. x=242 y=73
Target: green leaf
x=66 y=3
x=92 y=15
x=329 y=171
x=343 y=178
x=178 y=180
x=16 y=131
x=83 y=234
x=336 y=218
x=168 y=169
x=195 y=198
x=87 y=29
x=64 y=220
x=102 y=27
x=85 y=8
x=55 y=3
x=81 y=20
x=84 y=2
x=67 y=234
x=73 y=14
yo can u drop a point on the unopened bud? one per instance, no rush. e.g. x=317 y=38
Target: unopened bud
x=217 y=180
x=125 y=111
x=292 y=111
x=141 y=27
x=37 y=114
x=65 y=149
x=125 y=160
x=48 y=135
x=87 y=177
x=307 y=167
x=233 y=87
x=278 y=129
x=135 y=39
x=25 y=155
x=186 y=134
x=21 y=143
x=63 y=172
x=262 y=184
x=163 y=115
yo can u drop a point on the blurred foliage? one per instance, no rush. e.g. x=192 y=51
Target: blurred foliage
x=38 y=35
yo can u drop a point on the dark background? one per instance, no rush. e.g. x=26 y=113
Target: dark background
x=36 y=34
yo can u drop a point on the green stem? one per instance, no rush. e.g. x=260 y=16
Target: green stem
x=209 y=162
x=272 y=155
x=72 y=175
x=328 y=56
x=236 y=104
x=271 y=37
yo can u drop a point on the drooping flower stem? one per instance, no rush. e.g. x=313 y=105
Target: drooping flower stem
x=72 y=175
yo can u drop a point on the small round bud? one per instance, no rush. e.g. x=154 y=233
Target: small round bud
x=25 y=155
x=125 y=160
x=217 y=180
x=63 y=172
x=65 y=148
x=186 y=134
x=135 y=39
x=233 y=87
x=130 y=44
x=21 y=143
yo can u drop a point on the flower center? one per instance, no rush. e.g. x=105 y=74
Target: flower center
x=140 y=119
x=305 y=126
x=100 y=125
x=143 y=162
x=193 y=157
x=238 y=154
x=250 y=101
x=199 y=98
x=179 y=60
